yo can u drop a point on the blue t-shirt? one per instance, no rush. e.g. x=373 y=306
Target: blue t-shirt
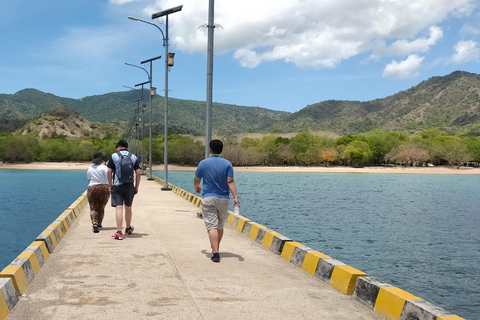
x=215 y=170
x=114 y=164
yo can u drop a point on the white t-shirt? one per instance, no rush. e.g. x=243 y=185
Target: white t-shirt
x=97 y=174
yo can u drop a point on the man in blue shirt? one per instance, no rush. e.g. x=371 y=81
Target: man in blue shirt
x=217 y=175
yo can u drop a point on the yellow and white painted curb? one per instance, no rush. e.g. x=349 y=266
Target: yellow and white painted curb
x=387 y=300
x=15 y=278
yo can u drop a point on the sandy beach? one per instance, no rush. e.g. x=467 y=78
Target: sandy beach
x=381 y=170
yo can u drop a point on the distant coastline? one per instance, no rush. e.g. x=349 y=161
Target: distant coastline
x=289 y=169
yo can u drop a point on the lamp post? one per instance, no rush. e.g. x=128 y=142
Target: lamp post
x=167 y=58
x=141 y=124
x=209 y=116
x=143 y=117
x=150 y=127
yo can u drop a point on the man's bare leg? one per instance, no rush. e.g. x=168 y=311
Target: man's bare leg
x=119 y=217
x=213 y=235
x=128 y=216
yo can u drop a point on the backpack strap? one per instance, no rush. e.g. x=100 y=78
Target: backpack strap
x=117 y=172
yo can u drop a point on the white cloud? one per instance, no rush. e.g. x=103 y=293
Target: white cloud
x=466 y=51
x=312 y=33
x=469 y=29
x=248 y=58
x=404 y=69
x=406 y=47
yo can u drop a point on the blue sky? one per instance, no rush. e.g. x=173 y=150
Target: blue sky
x=276 y=54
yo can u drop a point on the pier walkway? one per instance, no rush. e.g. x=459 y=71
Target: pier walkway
x=163 y=271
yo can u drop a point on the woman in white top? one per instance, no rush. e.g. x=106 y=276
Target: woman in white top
x=98 y=191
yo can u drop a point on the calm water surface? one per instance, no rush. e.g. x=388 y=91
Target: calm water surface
x=417 y=232
x=30 y=200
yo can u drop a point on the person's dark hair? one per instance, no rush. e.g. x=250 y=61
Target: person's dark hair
x=216 y=146
x=122 y=143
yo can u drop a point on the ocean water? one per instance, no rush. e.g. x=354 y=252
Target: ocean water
x=30 y=200
x=420 y=233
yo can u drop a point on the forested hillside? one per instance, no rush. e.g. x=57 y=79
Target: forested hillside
x=450 y=104
x=185 y=116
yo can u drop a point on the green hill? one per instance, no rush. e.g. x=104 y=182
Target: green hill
x=450 y=103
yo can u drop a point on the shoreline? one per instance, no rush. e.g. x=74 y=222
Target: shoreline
x=378 y=170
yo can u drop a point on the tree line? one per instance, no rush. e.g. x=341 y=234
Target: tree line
x=304 y=149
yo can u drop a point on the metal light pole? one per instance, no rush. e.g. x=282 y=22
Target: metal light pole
x=165 y=44
x=151 y=108
x=167 y=57
x=150 y=127
x=210 y=26
x=143 y=125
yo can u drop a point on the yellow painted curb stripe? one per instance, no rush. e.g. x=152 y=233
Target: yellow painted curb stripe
x=310 y=262
x=289 y=248
x=74 y=210
x=70 y=214
x=241 y=223
x=30 y=255
x=3 y=306
x=390 y=302
x=254 y=231
x=344 y=278
x=56 y=225
x=231 y=218
x=268 y=238
x=18 y=277
x=51 y=234
x=63 y=220
x=43 y=248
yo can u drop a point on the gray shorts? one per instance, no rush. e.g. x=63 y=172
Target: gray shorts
x=123 y=194
x=215 y=212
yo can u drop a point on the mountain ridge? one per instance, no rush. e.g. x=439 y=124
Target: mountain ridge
x=449 y=103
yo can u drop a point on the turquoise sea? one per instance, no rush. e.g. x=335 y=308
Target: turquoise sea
x=30 y=200
x=417 y=232
x=420 y=233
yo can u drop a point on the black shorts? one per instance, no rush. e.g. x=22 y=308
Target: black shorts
x=123 y=194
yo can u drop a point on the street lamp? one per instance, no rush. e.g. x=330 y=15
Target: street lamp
x=143 y=126
x=139 y=122
x=150 y=127
x=167 y=58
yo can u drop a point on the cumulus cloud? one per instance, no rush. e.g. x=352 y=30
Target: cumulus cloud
x=404 y=69
x=406 y=47
x=466 y=51
x=312 y=33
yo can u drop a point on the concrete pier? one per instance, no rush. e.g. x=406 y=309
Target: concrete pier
x=163 y=271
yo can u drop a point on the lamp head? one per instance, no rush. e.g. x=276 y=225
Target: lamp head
x=166 y=12
x=132 y=18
